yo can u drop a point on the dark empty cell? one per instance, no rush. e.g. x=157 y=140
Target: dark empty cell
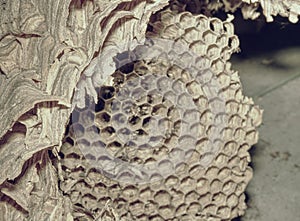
x=130 y=144
x=73 y=155
x=127 y=68
x=109 y=130
x=149 y=28
x=141 y=132
x=136 y=160
x=61 y=155
x=70 y=140
x=134 y=120
x=211 y=25
x=150 y=98
x=104 y=117
x=144 y=109
x=100 y=105
x=146 y=121
x=118 y=78
x=116 y=144
x=107 y=92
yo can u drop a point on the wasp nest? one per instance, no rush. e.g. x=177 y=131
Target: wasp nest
x=165 y=136
x=250 y=8
x=168 y=137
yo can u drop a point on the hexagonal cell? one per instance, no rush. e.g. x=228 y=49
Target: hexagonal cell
x=102 y=118
x=107 y=92
x=123 y=59
x=124 y=134
x=92 y=133
x=162 y=83
x=155 y=140
x=219 y=66
x=134 y=120
x=90 y=157
x=132 y=80
x=216 y=25
x=127 y=68
x=130 y=192
x=167 y=212
x=128 y=107
x=213 y=52
x=114 y=190
x=145 y=109
x=204 y=76
x=209 y=37
x=123 y=93
x=164 y=126
x=185 y=100
x=136 y=208
x=178 y=86
x=171 y=181
x=118 y=120
x=146 y=122
x=144 y=150
x=162 y=197
x=141 y=99
x=194 y=208
x=118 y=78
x=115 y=105
x=160 y=110
x=139 y=95
x=166 y=167
x=171 y=97
x=192 y=156
x=86 y=118
x=140 y=68
x=140 y=136
x=114 y=147
x=188 y=184
x=148 y=82
x=171 y=31
x=215 y=186
x=154 y=97
x=108 y=132
x=77 y=130
x=174 y=72
x=191 y=34
x=198 y=47
x=83 y=143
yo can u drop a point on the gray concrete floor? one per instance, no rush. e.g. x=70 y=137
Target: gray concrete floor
x=272 y=78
